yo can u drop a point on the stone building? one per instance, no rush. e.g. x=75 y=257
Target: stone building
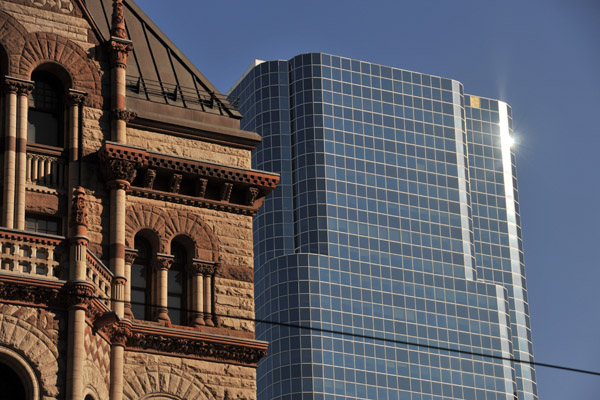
x=127 y=204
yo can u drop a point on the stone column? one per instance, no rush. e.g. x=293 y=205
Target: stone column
x=130 y=256
x=118 y=198
x=119 y=333
x=75 y=100
x=10 y=147
x=23 y=93
x=162 y=264
x=196 y=271
x=119 y=48
x=209 y=271
x=80 y=291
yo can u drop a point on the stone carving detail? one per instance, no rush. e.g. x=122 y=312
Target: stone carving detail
x=121 y=170
x=163 y=261
x=175 y=183
x=198 y=267
x=123 y=115
x=197 y=348
x=78 y=293
x=251 y=195
x=149 y=178
x=226 y=191
x=201 y=187
x=13 y=291
x=130 y=256
x=118 y=53
x=63 y=6
x=18 y=86
x=118 y=20
x=75 y=98
x=78 y=208
x=119 y=332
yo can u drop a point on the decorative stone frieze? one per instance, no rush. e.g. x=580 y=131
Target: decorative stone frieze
x=123 y=115
x=239 y=352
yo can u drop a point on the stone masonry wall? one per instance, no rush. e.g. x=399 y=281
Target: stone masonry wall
x=37 y=19
x=183 y=378
x=96 y=373
x=233 y=233
x=196 y=149
x=36 y=334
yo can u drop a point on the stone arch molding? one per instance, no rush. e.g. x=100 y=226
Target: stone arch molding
x=167 y=224
x=19 y=335
x=23 y=370
x=26 y=51
x=153 y=383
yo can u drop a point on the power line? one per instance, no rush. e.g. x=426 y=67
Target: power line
x=374 y=338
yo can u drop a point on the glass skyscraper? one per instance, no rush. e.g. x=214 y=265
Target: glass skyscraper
x=389 y=259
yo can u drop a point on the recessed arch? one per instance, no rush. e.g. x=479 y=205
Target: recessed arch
x=50 y=50
x=29 y=383
x=169 y=224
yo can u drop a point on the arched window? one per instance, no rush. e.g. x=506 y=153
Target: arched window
x=177 y=285
x=45 y=116
x=141 y=281
x=11 y=384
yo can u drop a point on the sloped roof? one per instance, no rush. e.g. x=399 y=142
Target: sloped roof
x=157 y=70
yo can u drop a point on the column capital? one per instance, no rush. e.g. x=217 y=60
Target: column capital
x=119 y=173
x=119 y=50
x=202 y=267
x=163 y=261
x=19 y=86
x=130 y=256
x=75 y=97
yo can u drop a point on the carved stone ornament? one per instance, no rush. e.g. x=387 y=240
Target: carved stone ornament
x=118 y=53
x=175 y=183
x=130 y=256
x=13 y=291
x=119 y=332
x=251 y=195
x=163 y=261
x=149 y=178
x=78 y=294
x=226 y=191
x=197 y=348
x=201 y=187
x=18 y=86
x=203 y=268
x=75 y=98
x=79 y=208
x=123 y=115
x=118 y=20
x=119 y=170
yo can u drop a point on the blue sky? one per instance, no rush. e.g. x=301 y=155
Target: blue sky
x=542 y=57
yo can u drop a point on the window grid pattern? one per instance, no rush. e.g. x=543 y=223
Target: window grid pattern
x=377 y=223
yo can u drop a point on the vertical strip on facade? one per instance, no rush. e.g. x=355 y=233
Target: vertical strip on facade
x=463 y=176
x=520 y=342
x=10 y=144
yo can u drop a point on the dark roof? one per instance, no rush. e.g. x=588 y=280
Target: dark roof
x=157 y=70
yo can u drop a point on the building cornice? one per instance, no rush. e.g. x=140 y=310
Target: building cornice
x=204 y=184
